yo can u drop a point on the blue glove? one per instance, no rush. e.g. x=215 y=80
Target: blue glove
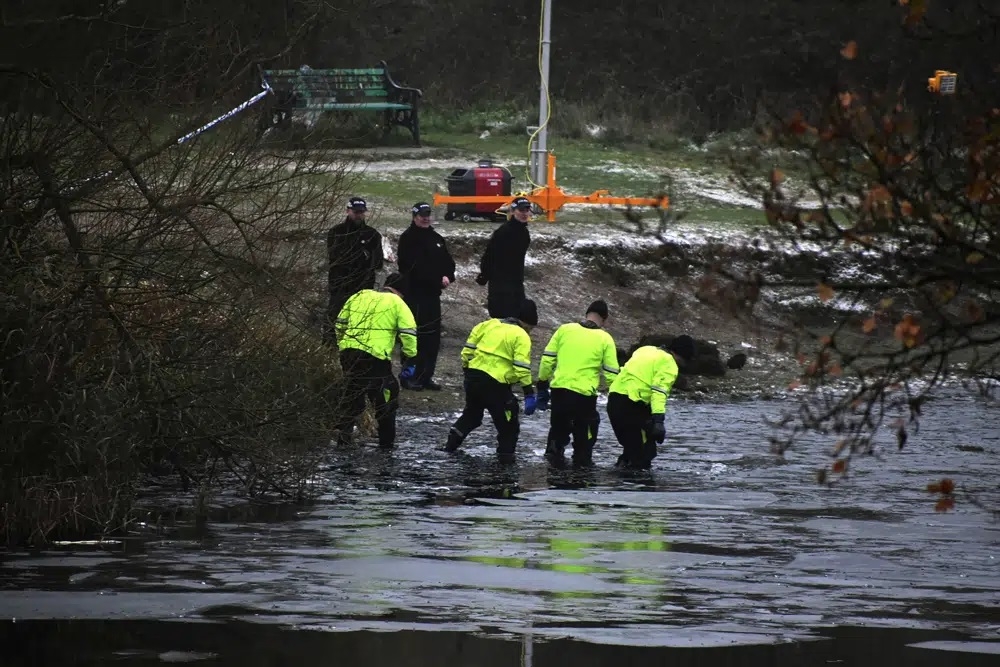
x=543 y=397
x=408 y=373
x=529 y=404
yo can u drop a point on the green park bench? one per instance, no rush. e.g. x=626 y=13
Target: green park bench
x=318 y=90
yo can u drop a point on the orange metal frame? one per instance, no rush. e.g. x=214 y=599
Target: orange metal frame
x=550 y=198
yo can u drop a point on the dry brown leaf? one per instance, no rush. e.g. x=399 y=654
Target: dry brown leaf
x=945 y=504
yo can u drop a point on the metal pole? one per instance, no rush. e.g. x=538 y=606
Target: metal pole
x=543 y=106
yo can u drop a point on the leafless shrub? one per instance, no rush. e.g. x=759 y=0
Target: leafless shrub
x=156 y=311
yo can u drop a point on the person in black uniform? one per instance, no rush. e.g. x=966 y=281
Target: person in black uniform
x=424 y=261
x=502 y=264
x=355 y=255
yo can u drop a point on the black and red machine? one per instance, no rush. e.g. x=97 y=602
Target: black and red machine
x=483 y=179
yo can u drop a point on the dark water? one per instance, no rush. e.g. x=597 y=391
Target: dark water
x=722 y=555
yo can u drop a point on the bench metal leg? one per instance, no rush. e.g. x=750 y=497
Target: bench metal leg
x=415 y=128
x=403 y=118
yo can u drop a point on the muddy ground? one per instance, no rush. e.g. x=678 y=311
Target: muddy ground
x=567 y=267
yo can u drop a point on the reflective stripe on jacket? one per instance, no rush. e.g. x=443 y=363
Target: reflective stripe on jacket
x=370 y=322
x=647 y=377
x=501 y=349
x=576 y=355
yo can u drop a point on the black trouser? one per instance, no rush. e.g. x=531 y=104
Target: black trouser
x=367 y=377
x=631 y=421
x=482 y=392
x=504 y=300
x=573 y=414
x=426 y=310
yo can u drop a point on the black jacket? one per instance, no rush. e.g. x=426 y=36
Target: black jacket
x=423 y=259
x=502 y=264
x=355 y=253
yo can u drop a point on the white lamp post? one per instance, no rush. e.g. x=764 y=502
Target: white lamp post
x=540 y=145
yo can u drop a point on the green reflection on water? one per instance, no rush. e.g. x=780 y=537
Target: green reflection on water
x=566 y=548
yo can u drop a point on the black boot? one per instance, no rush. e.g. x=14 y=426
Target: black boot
x=555 y=455
x=582 y=458
x=454 y=441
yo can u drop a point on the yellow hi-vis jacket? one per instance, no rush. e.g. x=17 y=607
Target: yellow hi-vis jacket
x=501 y=349
x=647 y=377
x=370 y=322
x=575 y=356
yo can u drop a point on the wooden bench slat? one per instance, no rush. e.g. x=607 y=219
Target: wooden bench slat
x=344 y=89
x=373 y=71
x=348 y=106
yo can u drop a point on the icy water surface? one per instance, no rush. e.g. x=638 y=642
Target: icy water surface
x=721 y=555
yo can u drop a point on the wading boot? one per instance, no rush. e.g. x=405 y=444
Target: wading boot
x=412 y=385
x=555 y=455
x=454 y=441
x=505 y=458
x=583 y=456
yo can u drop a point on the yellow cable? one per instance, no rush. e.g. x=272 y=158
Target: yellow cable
x=545 y=85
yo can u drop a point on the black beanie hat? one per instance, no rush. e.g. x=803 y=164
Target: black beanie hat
x=682 y=346
x=599 y=307
x=395 y=281
x=528 y=312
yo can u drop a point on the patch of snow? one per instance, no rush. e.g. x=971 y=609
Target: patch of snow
x=614 y=167
x=721 y=189
x=387 y=250
x=594 y=130
x=836 y=303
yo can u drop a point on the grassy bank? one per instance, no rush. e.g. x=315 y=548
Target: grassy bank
x=638 y=160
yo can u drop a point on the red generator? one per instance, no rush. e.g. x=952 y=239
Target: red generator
x=484 y=179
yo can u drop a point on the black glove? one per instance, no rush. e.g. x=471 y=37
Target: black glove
x=481 y=279
x=657 y=431
x=543 y=396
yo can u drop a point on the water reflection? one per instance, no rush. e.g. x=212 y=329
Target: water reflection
x=718 y=542
x=147 y=643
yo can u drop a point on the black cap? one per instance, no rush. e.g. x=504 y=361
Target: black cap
x=421 y=208
x=528 y=313
x=682 y=346
x=522 y=203
x=395 y=281
x=357 y=204
x=599 y=307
